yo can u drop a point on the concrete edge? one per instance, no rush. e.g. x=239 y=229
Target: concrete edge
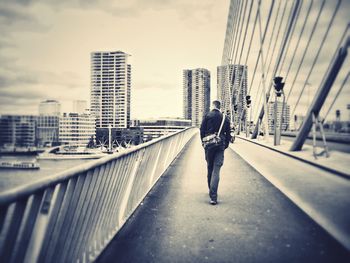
x=321 y=220
x=323 y=167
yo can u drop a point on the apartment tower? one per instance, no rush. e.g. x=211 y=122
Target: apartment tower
x=196 y=94
x=110 y=89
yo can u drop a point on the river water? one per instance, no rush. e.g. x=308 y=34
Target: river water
x=10 y=178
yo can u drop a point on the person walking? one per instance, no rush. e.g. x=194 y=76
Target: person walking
x=215 y=136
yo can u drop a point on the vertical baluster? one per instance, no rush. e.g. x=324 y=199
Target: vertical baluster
x=68 y=223
x=27 y=230
x=140 y=183
x=123 y=190
x=130 y=190
x=55 y=217
x=3 y=213
x=13 y=229
x=85 y=242
x=102 y=227
x=97 y=216
x=108 y=222
x=40 y=226
x=118 y=191
x=58 y=224
x=70 y=244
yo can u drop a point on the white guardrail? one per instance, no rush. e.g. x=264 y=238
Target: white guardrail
x=73 y=215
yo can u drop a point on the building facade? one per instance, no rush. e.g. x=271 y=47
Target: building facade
x=50 y=108
x=232 y=89
x=47 y=130
x=285 y=116
x=154 y=128
x=196 y=94
x=76 y=129
x=18 y=130
x=110 y=89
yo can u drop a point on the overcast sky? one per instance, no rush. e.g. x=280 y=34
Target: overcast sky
x=45 y=49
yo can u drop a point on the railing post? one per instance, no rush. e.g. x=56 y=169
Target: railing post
x=36 y=241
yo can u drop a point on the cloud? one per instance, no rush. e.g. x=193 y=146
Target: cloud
x=201 y=10
x=44 y=41
x=10 y=14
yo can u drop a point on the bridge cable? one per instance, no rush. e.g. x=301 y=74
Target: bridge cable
x=318 y=54
x=269 y=48
x=263 y=40
x=336 y=96
x=306 y=48
x=240 y=31
x=246 y=30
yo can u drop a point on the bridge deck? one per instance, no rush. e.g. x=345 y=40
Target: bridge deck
x=254 y=222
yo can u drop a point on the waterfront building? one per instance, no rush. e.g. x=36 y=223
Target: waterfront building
x=18 y=130
x=47 y=130
x=154 y=128
x=76 y=129
x=50 y=108
x=196 y=94
x=110 y=89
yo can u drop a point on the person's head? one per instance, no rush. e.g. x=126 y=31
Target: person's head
x=216 y=104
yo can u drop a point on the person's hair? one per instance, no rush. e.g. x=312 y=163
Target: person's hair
x=217 y=104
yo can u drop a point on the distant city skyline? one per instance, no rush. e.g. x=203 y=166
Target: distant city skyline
x=45 y=50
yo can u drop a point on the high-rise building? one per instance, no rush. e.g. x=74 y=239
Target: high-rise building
x=196 y=94
x=76 y=129
x=285 y=115
x=110 y=89
x=232 y=90
x=17 y=130
x=50 y=108
x=80 y=106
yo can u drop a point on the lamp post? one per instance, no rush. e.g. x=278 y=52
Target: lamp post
x=278 y=85
x=248 y=103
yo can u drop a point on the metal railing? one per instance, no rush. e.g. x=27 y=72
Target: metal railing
x=73 y=215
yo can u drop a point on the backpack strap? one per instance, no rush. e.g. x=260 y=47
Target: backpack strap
x=222 y=123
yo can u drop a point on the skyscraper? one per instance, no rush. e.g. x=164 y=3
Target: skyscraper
x=232 y=90
x=196 y=94
x=110 y=89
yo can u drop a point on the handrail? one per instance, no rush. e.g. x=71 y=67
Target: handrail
x=72 y=216
x=19 y=191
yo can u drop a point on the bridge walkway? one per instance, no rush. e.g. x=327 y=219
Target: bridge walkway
x=254 y=221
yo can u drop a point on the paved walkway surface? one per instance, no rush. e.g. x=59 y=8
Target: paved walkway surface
x=324 y=196
x=254 y=221
x=337 y=161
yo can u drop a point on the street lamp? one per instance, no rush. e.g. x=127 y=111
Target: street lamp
x=278 y=85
